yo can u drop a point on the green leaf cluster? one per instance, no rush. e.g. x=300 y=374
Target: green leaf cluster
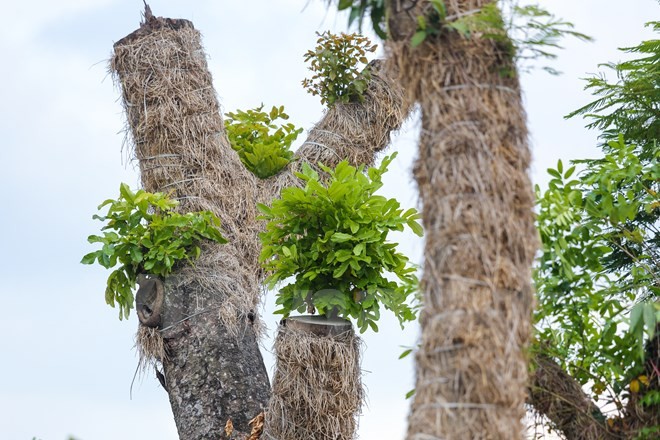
x=339 y=63
x=524 y=33
x=143 y=234
x=585 y=305
x=630 y=104
x=331 y=236
x=434 y=23
x=263 y=146
x=598 y=278
x=359 y=9
x=534 y=34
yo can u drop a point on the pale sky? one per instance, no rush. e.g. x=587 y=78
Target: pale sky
x=66 y=361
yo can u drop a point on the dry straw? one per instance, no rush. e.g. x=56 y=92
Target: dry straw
x=354 y=131
x=150 y=346
x=480 y=237
x=175 y=131
x=317 y=391
x=561 y=399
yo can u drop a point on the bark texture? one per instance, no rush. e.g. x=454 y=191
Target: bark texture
x=556 y=395
x=212 y=375
x=208 y=328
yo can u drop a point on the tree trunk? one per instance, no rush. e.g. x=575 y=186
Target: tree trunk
x=208 y=326
x=212 y=374
x=213 y=368
x=478 y=218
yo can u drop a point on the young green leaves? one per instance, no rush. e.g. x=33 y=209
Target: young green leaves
x=339 y=63
x=360 y=8
x=143 y=234
x=524 y=32
x=331 y=236
x=262 y=145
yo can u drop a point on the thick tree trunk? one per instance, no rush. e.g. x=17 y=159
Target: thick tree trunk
x=479 y=229
x=212 y=374
x=208 y=326
x=213 y=368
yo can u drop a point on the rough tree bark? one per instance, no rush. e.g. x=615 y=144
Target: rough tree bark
x=558 y=396
x=213 y=370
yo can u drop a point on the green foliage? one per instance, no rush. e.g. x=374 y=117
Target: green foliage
x=535 y=34
x=598 y=281
x=339 y=66
x=631 y=104
x=650 y=399
x=433 y=23
x=649 y=432
x=143 y=234
x=332 y=237
x=523 y=32
x=584 y=305
x=526 y=33
x=644 y=318
x=630 y=107
x=359 y=9
x=262 y=145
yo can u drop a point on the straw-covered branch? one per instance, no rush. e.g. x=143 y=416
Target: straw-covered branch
x=353 y=131
x=478 y=219
x=317 y=387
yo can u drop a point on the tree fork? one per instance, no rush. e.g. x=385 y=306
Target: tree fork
x=213 y=369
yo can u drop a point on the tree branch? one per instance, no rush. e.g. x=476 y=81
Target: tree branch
x=354 y=131
x=561 y=399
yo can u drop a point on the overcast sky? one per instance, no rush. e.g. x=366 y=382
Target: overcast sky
x=66 y=361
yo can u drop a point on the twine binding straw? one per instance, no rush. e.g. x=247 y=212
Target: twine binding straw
x=182 y=149
x=317 y=388
x=479 y=228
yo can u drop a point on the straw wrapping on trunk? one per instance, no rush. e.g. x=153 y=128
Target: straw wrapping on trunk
x=317 y=389
x=354 y=131
x=175 y=131
x=209 y=327
x=479 y=227
x=177 y=134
